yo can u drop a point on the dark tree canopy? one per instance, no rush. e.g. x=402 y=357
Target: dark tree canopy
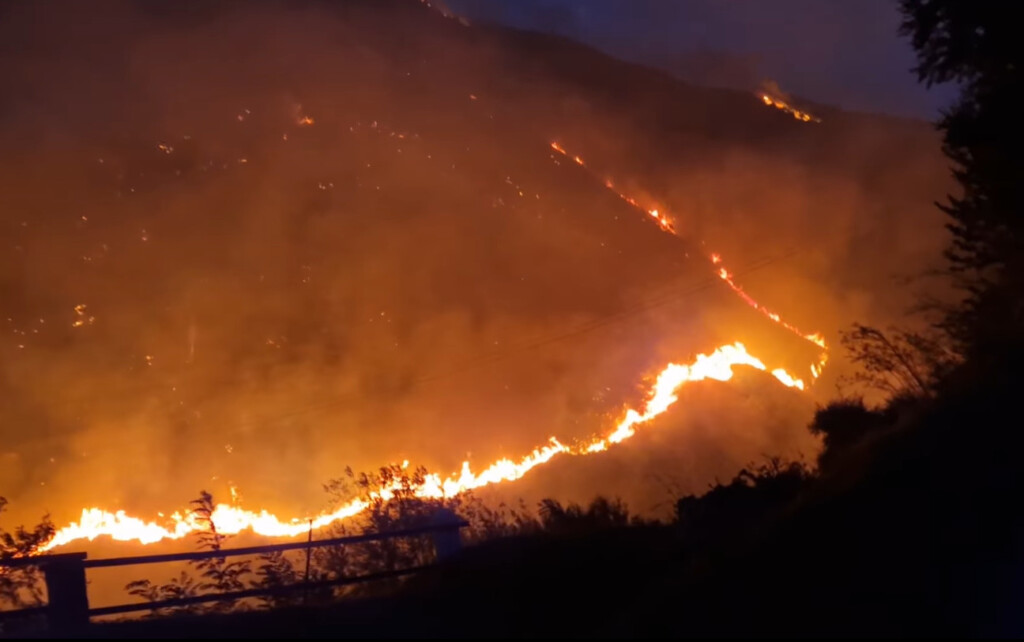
x=977 y=45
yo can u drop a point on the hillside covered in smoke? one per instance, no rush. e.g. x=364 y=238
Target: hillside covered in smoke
x=253 y=243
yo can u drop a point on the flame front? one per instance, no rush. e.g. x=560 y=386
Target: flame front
x=718 y=366
x=665 y=223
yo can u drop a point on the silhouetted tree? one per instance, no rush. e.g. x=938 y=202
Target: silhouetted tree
x=977 y=45
x=401 y=508
x=899 y=363
x=216 y=574
x=219 y=575
x=22 y=587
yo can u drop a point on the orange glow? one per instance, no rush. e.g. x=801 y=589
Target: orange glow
x=792 y=111
x=665 y=223
x=813 y=337
x=119 y=526
x=230 y=518
x=81 y=317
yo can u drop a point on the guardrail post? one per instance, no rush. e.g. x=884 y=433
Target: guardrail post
x=68 y=600
x=448 y=541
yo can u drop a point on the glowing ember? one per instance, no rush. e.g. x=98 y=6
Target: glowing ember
x=81 y=317
x=718 y=365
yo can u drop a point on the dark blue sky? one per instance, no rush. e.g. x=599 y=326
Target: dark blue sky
x=840 y=52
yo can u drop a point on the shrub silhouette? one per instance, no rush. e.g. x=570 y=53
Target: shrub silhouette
x=572 y=519
x=182 y=586
x=728 y=512
x=275 y=572
x=844 y=423
x=22 y=587
x=215 y=574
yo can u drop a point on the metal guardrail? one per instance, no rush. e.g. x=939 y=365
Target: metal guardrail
x=68 y=605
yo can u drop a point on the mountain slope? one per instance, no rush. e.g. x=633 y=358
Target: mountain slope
x=308 y=235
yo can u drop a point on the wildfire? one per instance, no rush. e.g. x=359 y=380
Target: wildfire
x=230 y=519
x=792 y=111
x=665 y=223
x=718 y=366
x=726 y=276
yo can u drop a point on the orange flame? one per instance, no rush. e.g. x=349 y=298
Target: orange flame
x=725 y=275
x=665 y=223
x=792 y=111
x=120 y=526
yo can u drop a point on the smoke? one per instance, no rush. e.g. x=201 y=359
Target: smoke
x=311 y=236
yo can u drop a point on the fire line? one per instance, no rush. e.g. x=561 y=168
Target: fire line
x=664 y=221
x=717 y=366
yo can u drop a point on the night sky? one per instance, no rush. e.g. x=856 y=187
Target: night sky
x=836 y=52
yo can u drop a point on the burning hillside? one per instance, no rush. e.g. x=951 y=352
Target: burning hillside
x=773 y=96
x=249 y=249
